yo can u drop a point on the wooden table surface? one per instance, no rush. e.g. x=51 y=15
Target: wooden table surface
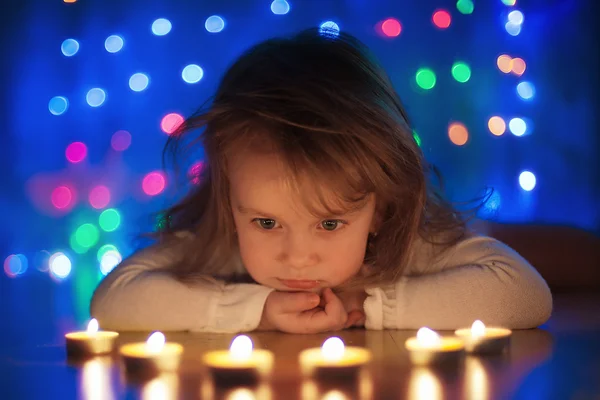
x=561 y=360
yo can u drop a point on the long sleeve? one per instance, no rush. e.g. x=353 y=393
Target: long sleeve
x=478 y=278
x=139 y=295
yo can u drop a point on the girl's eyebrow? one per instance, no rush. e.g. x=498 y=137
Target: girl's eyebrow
x=250 y=210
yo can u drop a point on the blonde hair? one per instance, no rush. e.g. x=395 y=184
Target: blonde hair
x=324 y=104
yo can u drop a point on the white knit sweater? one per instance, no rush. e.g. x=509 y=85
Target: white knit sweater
x=479 y=278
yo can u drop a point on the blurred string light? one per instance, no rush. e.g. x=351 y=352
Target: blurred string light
x=153 y=183
x=40 y=260
x=497 y=126
x=425 y=78
x=329 y=28
x=69 y=47
x=76 y=152
x=526 y=90
x=280 y=7
x=458 y=133
x=58 y=105
x=69 y=1
x=62 y=197
x=391 y=27
x=417 y=138
x=214 y=24
x=514 y=22
x=87 y=235
x=527 y=180
x=99 y=197
x=161 y=27
x=504 y=63
x=113 y=43
x=138 y=82
x=120 y=140
x=461 y=72
x=192 y=73
x=518 y=66
x=95 y=97
x=60 y=265
x=171 y=122
x=517 y=126
x=15 y=264
x=509 y=2
x=109 y=220
x=109 y=260
x=465 y=6
x=441 y=19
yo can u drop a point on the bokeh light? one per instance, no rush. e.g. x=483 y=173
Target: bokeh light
x=62 y=197
x=527 y=180
x=509 y=2
x=497 y=126
x=120 y=140
x=109 y=260
x=60 y=265
x=526 y=90
x=113 y=43
x=425 y=78
x=441 y=19
x=329 y=28
x=461 y=71
x=109 y=220
x=58 y=105
x=504 y=63
x=153 y=183
x=69 y=47
x=95 y=97
x=280 y=7
x=171 y=122
x=391 y=27
x=512 y=29
x=76 y=152
x=87 y=235
x=417 y=138
x=15 y=264
x=214 y=24
x=40 y=260
x=99 y=197
x=518 y=66
x=104 y=249
x=192 y=73
x=516 y=17
x=465 y=6
x=161 y=27
x=138 y=82
x=458 y=133
x=517 y=126
x=75 y=246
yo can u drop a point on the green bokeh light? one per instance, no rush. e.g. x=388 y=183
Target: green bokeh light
x=77 y=248
x=461 y=72
x=465 y=6
x=509 y=2
x=109 y=219
x=87 y=235
x=104 y=249
x=417 y=138
x=425 y=78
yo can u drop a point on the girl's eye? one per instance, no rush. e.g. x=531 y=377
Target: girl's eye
x=332 y=224
x=265 y=223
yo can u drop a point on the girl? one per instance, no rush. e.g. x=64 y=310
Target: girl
x=313 y=182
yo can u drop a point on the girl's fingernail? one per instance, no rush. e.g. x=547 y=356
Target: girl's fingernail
x=314 y=299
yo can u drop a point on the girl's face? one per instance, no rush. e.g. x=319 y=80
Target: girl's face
x=280 y=241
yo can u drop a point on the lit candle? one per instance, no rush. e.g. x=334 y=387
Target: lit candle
x=430 y=348
x=482 y=339
x=90 y=342
x=241 y=364
x=151 y=358
x=333 y=359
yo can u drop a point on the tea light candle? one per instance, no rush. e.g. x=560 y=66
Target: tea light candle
x=333 y=359
x=430 y=348
x=482 y=339
x=90 y=342
x=241 y=364
x=151 y=358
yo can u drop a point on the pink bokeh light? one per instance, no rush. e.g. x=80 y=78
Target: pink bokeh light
x=99 y=197
x=76 y=152
x=441 y=19
x=171 y=122
x=391 y=27
x=62 y=197
x=120 y=140
x=153 y=183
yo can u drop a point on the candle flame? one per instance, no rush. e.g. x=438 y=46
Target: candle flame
x=92 y=326
x=155 y=342
x=241 y=347
x=478 y=328
x=428 y=338
x=333 y=349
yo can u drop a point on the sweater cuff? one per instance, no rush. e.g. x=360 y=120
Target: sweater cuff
x=239 y=308
x=380 y=308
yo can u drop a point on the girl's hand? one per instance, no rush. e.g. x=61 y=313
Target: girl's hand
x=354 y=306
x=297 y=312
